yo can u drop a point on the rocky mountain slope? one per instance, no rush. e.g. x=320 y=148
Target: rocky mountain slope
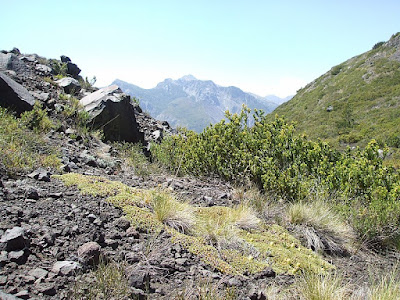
x=353 y=102
x=79 y=218
x=193 y=103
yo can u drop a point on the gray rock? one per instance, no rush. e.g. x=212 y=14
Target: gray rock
x=139 y=279
x=10 y=61
x=329 y=108
x=14 y=239
x=88 y=159
x=4 y=296
x=70 y=131
x=112 y=111
x=122 y=223
x=89 y=253
x=24 y=294
x=111 y=243
x=46 y=288
x=3 y=279
x=32 y=193
x=18 y=257
x=65 y=59
x=65 y=267
x=70 y=85
x=234 y=281
x=181 y=261
x=72 y=69
x=43 y=69
x=41 y=96
x=268 y=272
x=38 y=273
x=157 y=135
x=3 y=258
x=14 y=96
x=40 y=174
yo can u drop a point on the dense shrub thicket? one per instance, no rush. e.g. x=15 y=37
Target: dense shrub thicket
x=290 y=166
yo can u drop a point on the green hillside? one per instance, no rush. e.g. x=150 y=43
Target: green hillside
x=354 y=102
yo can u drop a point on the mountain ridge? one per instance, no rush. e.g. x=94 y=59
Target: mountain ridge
x=353 y=102
x=193 y=103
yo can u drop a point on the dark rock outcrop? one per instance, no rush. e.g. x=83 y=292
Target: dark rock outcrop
x=10 y=61
x=113 y=112
x=14 y=96
x=70 y=85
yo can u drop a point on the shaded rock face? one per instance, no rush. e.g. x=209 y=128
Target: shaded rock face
x=10 y=61
x=113 y=112
x=14 y=96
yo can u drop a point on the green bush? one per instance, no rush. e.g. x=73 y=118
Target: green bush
x=22 y=150
x=277 y=160
x=37 y=119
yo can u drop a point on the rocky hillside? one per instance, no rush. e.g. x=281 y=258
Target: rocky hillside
x=353 y=102
x=85 y=215
x=193 y=103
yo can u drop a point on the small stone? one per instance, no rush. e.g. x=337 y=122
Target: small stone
x=70 y=131
x=3 y=279
x=139 y=279
x=268 y=272
x=122 y=223
x=3 y=258
x=17 y=257
x=32 y=193
x=24 y=294
x=132 y=257
x=14 y=239
x=46 y=288
x=181 y=261
x=28 y=279
x=38 y=273
x=234 y=281
x=132 y=232
x=111 y=243
x=55 y=195
x=40 y=174
x=65 y=267
x=91 y=217
x=89 y=253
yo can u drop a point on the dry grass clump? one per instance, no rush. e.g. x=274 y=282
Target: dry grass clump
x=388 y=288
x=171 y=212
x=204 y=290
x=321 y=227
x=108 y=281
x=313 y=286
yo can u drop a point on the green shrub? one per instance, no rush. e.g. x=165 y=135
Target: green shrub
x=59 y=68
x=22 y=150
x=37 y=119
x=277 y=160
x=74 y=110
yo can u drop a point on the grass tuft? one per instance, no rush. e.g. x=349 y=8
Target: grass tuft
x=313 y=286
x=108 y=281
x=175 y=214
x=321 y=227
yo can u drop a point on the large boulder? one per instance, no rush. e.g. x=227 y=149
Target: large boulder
x=14 y=96
x=10 y=61
x=69 y=85
x=112 y=111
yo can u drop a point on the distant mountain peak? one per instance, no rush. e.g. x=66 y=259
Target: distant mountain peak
x=188 y=77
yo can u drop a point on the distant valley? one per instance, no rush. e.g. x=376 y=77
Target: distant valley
x=194 y=103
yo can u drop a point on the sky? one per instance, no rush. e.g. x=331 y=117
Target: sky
x=263 y=47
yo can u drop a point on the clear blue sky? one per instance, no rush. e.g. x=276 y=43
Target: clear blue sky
x=264 y=47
